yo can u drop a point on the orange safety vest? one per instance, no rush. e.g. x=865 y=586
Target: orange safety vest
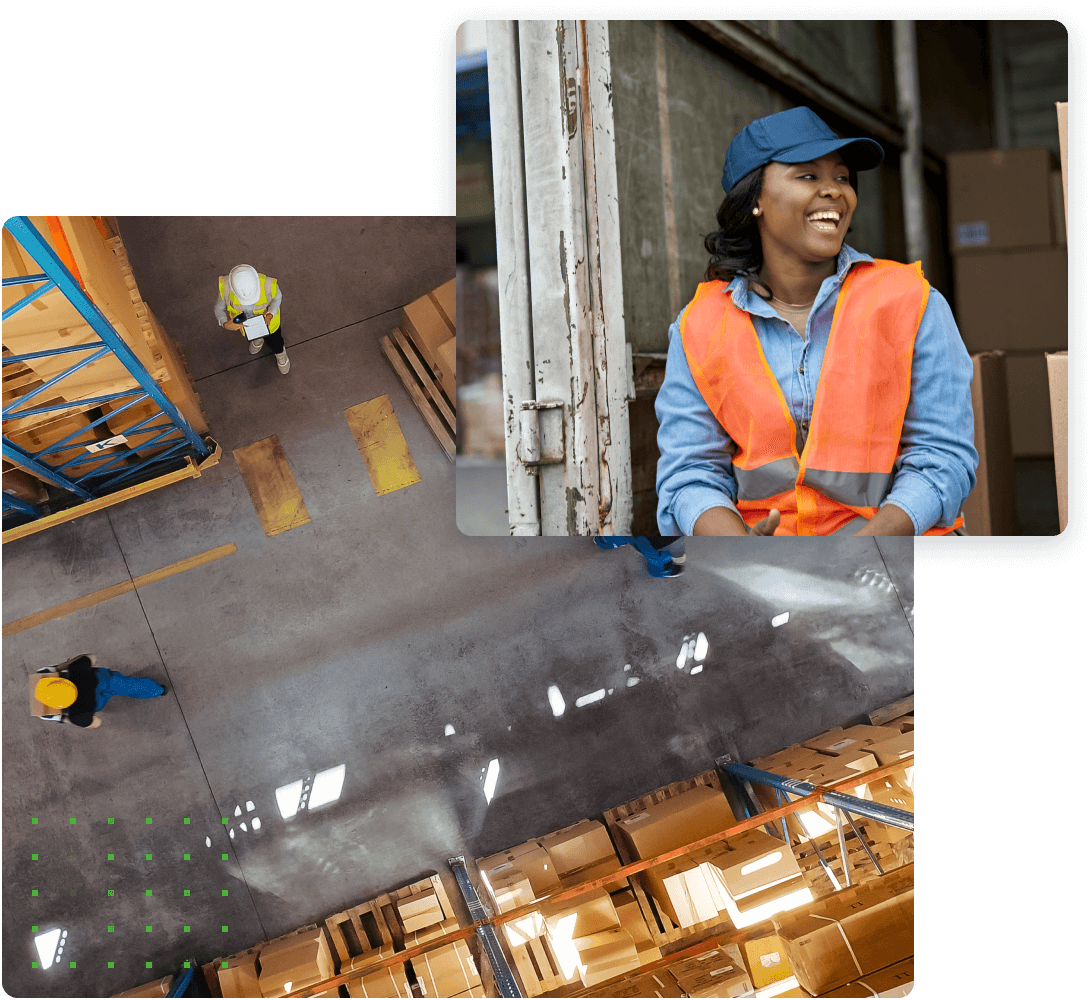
x=847 y=464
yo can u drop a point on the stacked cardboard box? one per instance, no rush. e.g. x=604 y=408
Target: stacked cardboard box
x=1007 y=235
x=850 y=934
x=291 y=963
x=716 y=973
x=766 y=960
x=588 y=937
x=391 y=982
x=157 y=988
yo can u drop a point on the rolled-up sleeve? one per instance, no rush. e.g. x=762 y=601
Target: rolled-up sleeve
x=936 y=468
x=695 y=470
x=220 y=310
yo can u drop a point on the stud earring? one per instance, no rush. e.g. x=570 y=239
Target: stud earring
x=755 y=211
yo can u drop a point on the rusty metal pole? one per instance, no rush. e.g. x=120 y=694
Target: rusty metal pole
x=910 y=164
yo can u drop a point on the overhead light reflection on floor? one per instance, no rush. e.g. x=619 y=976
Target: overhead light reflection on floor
x=701 y=647
x=555 y=699
x=589 y=699
x=780 y=619
x=798 y=590
x=491 y=780
x=287 y=797
x=450 y=731
x=697 y=669
x=46 y=944
x=328 y=785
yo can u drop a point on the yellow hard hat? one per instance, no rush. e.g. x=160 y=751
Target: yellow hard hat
x=55 y=692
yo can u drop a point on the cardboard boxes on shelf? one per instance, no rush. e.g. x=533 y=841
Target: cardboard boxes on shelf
x=293 y=962
x=583 y=852
x=240 y=978
x=447 y=971
x=765 y=959
x=391 y=982
x=677 y=821
x=716 y=973
x=853 y=932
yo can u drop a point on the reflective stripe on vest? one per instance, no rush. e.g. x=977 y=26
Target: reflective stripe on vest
x=267 y=294
x=847 y=465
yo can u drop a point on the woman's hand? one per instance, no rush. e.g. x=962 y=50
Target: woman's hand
x=889 y=520
x=722 y=521
x=267 y=319
x=232 y=326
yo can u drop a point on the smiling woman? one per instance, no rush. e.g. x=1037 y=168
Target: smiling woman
x=810 y=389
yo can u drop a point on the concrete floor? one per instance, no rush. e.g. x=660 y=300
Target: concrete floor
x=358 y=638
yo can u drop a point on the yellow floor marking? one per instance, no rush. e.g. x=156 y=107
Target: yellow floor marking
x=60 y=610
x=381 y=443
x=271 y=486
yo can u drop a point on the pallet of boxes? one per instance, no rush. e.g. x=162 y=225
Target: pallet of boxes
x=1007 y=234
x=356 y=946
x=423 y=352
x=106 y=434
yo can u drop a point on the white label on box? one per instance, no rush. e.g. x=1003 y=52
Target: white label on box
x=973 y=234
x=112 y=442
x=839 y=746
x=772 y=958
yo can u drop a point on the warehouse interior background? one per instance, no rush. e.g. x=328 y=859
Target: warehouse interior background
x=373 y=642
x=983 y=85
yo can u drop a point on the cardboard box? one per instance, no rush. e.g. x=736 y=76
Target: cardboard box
x=420 y=910
x=894 y=981
x=778 y=898
x=159 y=988
x=447 y=970
x=1063 y=145
x=239 y=978
x=578 y=846
x=653 y=984
x=476 y=991
x=634 y=921
x=676 y=822
x=601 y=868
x=850 y=933
x=431 y=933
x=838 y=742
x=1029 y=406
x=896 y=748
x=712 y=974
x=791 y=762
x=990 y=509
x=510 y=890
x=589 y=914
x=606 y=954
x=982 y=215
x=991 y=318
x=300 y=960
x=531 y=860
x=690 y=897
x=23 y=485
x=429 y=330
x=765 y=959
x=1057 y=367
x=391 y=982
x=756 y=861
x=890 y=792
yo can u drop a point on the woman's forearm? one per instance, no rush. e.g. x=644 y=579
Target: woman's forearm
x=719 y=521
x=889 y=520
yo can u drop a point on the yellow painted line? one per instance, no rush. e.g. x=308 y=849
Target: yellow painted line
x=60 y=610
x=381 y=443
x=272 y=487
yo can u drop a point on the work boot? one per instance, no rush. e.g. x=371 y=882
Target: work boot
x=283 y=362
x=256 y=345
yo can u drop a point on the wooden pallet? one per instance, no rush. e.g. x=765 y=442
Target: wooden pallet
x=439 y=412
x=664 y=933
x=211 y=969
x=359 y=931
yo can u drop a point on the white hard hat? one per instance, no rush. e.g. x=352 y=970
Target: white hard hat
x=245 y=284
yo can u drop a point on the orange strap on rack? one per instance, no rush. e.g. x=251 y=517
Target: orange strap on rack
x=64 y=251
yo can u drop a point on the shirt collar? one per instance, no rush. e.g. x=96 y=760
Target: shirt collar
x=847 y=258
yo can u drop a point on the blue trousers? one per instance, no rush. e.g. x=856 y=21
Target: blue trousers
x=110 y=682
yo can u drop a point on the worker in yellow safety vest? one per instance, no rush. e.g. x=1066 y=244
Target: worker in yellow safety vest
x=245 y=294
x=810 y=389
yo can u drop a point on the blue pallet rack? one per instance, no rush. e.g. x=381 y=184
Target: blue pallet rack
x=90 y=475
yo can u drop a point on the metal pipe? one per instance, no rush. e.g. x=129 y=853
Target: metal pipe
x=842 y=848
x=512 y=251
x=864 y=842
x=908 y=103
x=816 y=847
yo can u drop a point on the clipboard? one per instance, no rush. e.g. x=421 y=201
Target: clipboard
x=255 y=328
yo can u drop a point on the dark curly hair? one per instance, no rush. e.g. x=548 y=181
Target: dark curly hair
x=736 y=247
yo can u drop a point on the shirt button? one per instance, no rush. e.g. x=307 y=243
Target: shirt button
x=801 y=370
x=804 y=426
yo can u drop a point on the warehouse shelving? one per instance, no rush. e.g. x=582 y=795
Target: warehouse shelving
x=674 y=945
x=83 y=410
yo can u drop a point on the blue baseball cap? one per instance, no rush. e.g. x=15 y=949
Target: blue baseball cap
x=794 y=136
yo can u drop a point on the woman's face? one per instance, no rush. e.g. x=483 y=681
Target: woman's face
x=805 y=208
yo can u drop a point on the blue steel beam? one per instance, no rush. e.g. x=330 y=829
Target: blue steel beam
x=27 y=299
x=16 y=505
x=25 y=279
x=13 y=453
x=12 y=409
x=888 y=815
x=35 y=244
x=13 y=358
x=83 y=404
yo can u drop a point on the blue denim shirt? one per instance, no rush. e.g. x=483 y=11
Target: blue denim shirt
x=936 y=469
